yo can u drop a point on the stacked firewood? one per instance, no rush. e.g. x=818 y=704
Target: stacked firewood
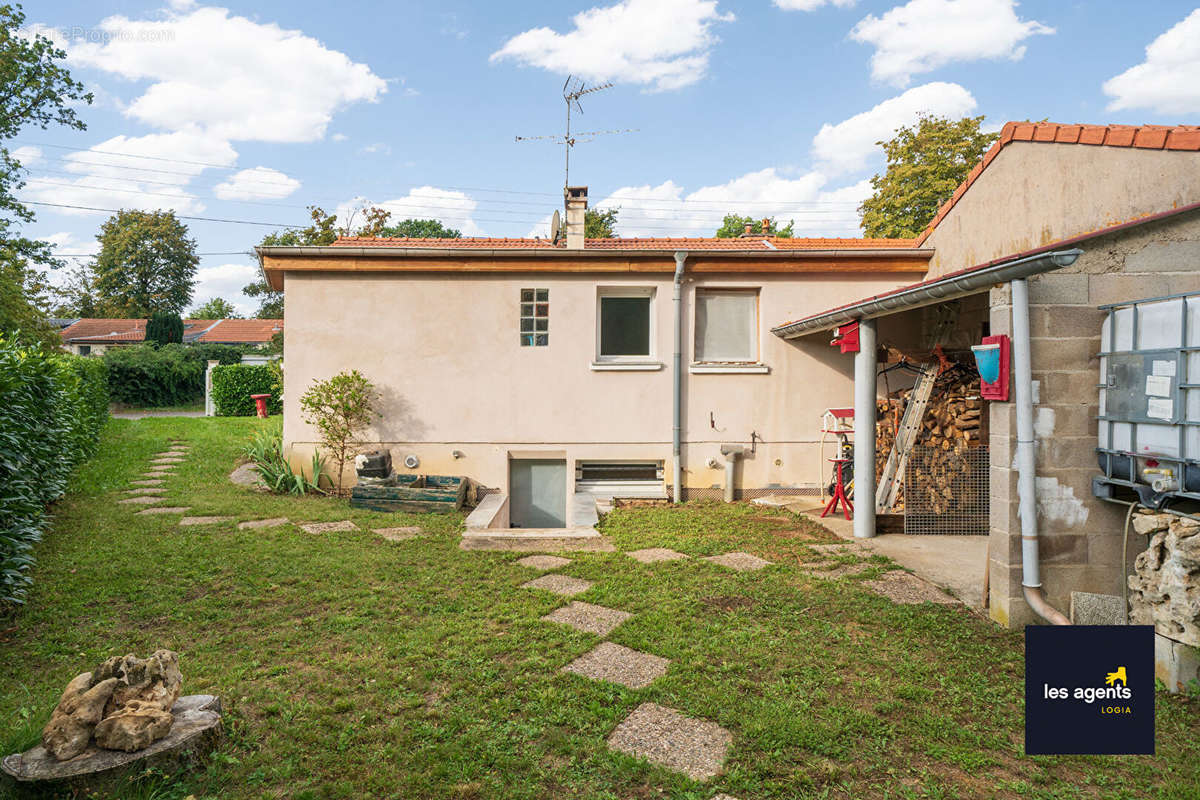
x=952 y=425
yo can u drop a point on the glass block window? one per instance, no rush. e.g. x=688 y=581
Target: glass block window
x=535 y=317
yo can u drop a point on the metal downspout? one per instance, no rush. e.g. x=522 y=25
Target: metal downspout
x=864 y=431
x=677 y=395
x=1031 y=582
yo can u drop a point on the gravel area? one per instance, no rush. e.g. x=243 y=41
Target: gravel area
x=652 y=555
x=140 y=501
x=189 y=521
x=327 y=527
x=742 y=562
x=588 y=618
x=151 y=482
x=903 y=587
x=166 y=510
x=254 y=524
x=559 y=584
x=543 y=562
x=617 y=664
x=663 y=736
x=398 y=534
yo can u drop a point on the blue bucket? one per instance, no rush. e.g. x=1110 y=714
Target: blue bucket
x=987 y=361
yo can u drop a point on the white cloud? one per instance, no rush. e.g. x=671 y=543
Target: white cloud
x=259 y=183
x=27 y=156
x=849 y=145
x=812 y=5
x=235 y=78
x=377 y=147
x=226 y=281
x=663 y=44
x=1168 y=81
x=339 y=137
x=923 y=35
x=452 y=208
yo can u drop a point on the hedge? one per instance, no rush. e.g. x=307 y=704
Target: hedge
x=149 y=376
x=233 y=385
x=52 y=407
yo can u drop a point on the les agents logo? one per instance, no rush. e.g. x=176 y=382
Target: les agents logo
x=1089 y=689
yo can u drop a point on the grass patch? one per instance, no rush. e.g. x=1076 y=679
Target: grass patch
x=351 y=666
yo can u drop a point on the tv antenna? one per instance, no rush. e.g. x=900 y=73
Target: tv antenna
x=572 y=90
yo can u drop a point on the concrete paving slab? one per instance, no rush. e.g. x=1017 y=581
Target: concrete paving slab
x=905 y=588
x=158 y=473
x=742 y=562
x=145 y=490
x=190 y=521
x=588 y=618
x=663 y=736
x=149 y=482
x=616 y=664
x=165 y=460
x=166 y=510
x=559 y=584
x=542 y=562
x=140 y=501
x=839 y=571
x=255 y=524
x=328 y=527
x=652 y=555
x=398 y=534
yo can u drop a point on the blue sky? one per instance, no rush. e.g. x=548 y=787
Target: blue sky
x=768 y=107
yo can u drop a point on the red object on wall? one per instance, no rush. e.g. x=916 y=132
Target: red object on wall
x=846 y=337
x=999 y=389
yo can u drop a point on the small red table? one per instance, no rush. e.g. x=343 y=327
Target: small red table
x=839 y=492
x=260 y=403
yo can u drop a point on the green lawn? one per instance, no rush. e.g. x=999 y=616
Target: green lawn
x=355 y=667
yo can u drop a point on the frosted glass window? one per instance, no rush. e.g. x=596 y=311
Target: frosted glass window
x=1160 y=325
x=726 y=325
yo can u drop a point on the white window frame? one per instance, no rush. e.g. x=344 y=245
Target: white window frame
x=638 y=362
x=751 y=366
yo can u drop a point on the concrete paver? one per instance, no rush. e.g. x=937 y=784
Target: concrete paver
x=616 y=664
x=663 y=736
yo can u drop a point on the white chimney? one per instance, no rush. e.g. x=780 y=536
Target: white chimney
x=575 y=198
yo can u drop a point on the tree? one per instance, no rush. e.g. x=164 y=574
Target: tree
x=146 y=263
x=734 y=226
x=341 y=408
x=35 y=90
x=217 y=308
x=76 y=296
x=599 y=224
x=420 y=229
x=164 y=328
x=925 y=164
x=322 y=231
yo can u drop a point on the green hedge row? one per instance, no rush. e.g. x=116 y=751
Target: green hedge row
x=52 y=407
x=233 y=385
x=149 y=376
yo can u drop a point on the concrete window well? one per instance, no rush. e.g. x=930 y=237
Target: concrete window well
x=537 y=493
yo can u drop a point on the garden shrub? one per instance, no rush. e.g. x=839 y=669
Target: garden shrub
x=52 y=407
x=232 y=386
x=150 y=376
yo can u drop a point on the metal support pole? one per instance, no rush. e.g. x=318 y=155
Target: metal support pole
x=864 y=431
x=677 y=380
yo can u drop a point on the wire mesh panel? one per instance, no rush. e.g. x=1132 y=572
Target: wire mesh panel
x=946 y=491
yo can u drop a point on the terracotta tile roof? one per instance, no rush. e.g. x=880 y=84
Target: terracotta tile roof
x=230 y=331
x=105 y=330
x=242 y=331
x=766 y=243
x=1145 y=137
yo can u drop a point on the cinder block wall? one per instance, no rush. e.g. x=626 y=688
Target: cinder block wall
x=1080 y=535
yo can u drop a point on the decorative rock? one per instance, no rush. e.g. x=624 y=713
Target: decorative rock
x=247 y=475
x=135 y=726
x=1164 y=590
x=559 y=584
x=155 y=679
x=588 y=618
x=1148 y=523
x=542 y=562
x=188 y=521
x=652 y=555
x=616 y=664
x=663 y=736
x=328 y=527
x=255 y=524
x=742 y=562
x=79 y=710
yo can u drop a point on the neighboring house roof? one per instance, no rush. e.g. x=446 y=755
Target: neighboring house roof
x=851 y=310
x=477 y=254
x=128 y=331
x=1144 y=137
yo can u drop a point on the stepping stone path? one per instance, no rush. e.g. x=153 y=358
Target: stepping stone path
x=158 y=473
x=588 y=618
x=837 y=572
x=559 y=584
x=168 y=460
x=398 y=534
x=328 y=527
x=742 y=562
x=905 y=588
x=617 y=664
x=838 y=548
x=188 y=521
x=151 y=482
x=543 y=562
x=144 y=490
x=652 y=555
x=140 y=501
x=255 y=524
x=166 y=510
x=663 y=736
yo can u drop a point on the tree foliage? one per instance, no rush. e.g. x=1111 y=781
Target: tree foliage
x=146 y=264
x=35 y=91
x=734 y=226
x=421 y=229
x=164 y=328
x=341 y=408
x=925 y=164
x=599 y=224
x=216 y=308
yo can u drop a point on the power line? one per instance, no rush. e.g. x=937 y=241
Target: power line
x=179 y=216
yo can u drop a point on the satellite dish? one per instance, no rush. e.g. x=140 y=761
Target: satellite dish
x=555 y=226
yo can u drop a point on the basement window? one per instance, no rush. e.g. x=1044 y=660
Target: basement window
x=624 y=325
x=727 y=326
x=535 y=317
